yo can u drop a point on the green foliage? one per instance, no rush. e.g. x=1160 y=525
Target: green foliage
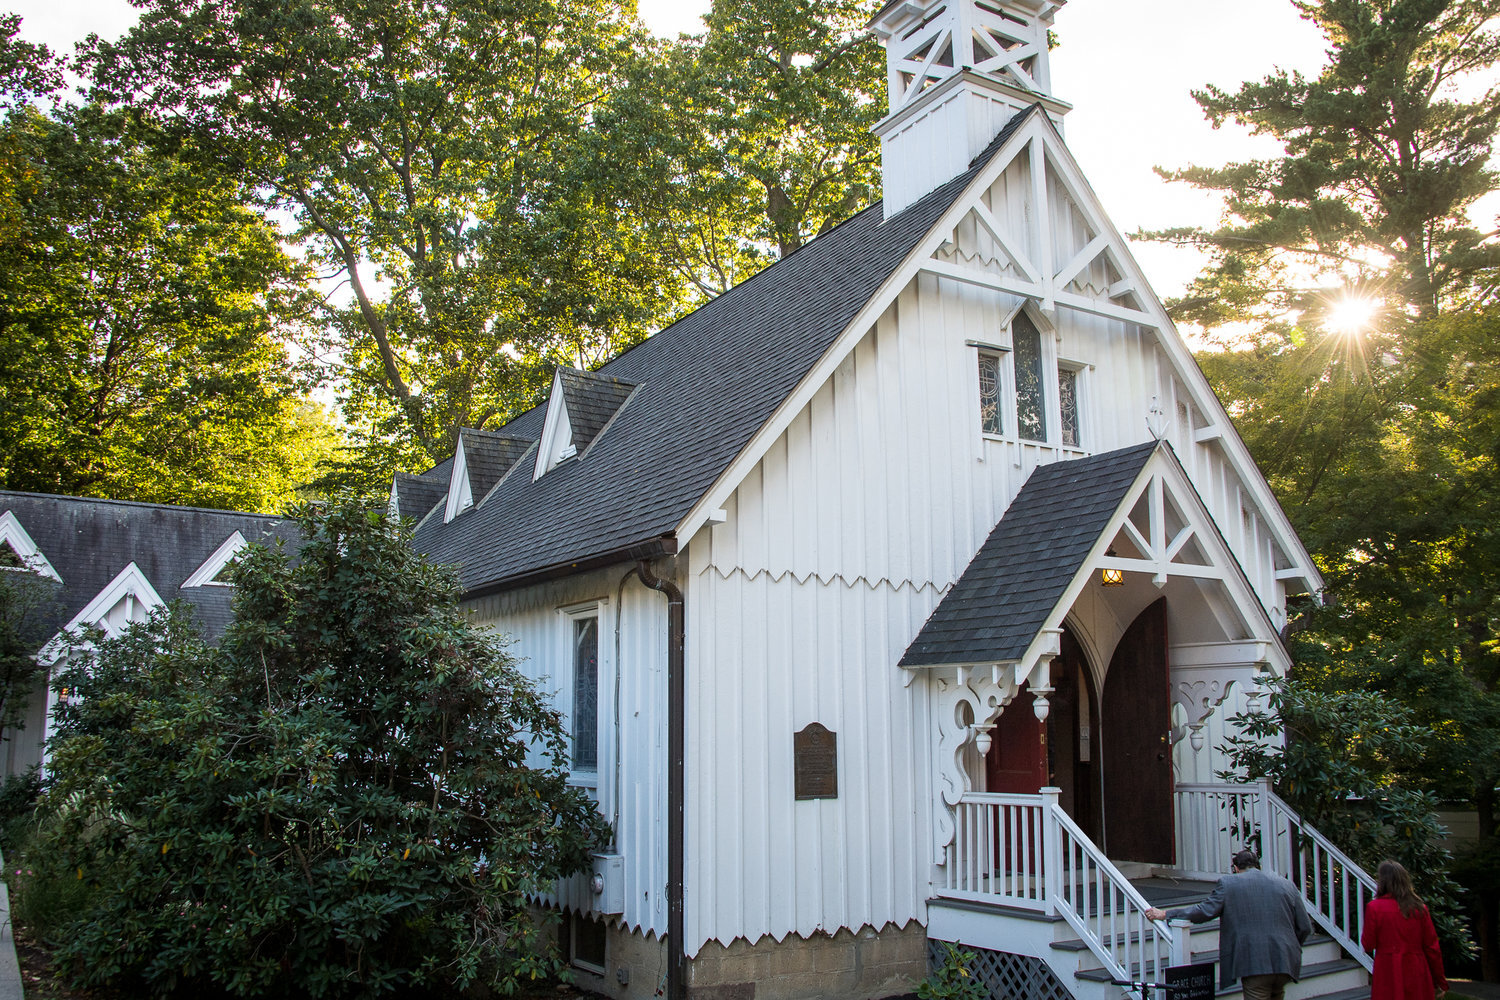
x=1354 y=766
x=441 y=160
x=18 y=795
x=355 y=793
x=758 y=132
x=139 y=305
x=953 y=980
x=26 y=621
x=1382 y=160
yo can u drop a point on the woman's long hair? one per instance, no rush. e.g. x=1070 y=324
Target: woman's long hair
x=1392 y=880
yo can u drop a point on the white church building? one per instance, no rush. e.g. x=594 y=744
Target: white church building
x=900 y=595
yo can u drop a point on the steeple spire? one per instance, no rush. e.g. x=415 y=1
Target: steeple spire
x=957 y=70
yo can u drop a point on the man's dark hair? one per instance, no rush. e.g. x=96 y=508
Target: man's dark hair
x=1246 y=859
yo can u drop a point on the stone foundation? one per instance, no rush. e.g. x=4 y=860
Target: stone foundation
x=848 y=965
x=639 y=959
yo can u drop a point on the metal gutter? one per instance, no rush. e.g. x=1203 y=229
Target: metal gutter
x=676 y=778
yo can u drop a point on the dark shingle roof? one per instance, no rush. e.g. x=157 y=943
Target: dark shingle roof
x=704 y=386
x=591 y=400
x=1020 y=572
x=416 y=495
x=489 y=455
x=90 y=541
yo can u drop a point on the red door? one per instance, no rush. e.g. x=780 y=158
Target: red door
x=1136 y=749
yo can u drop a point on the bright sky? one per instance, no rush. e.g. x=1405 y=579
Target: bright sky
x=1127 y=66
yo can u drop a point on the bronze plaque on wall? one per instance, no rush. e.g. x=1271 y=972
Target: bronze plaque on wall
x=815 y=756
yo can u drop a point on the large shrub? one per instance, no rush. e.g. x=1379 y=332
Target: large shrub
x=354 y=793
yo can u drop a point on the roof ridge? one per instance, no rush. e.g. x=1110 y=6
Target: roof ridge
x=143 y=503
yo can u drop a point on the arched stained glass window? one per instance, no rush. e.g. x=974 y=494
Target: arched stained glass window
x=1031 y=397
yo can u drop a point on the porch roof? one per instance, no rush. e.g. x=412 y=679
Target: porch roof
x=1020 y=572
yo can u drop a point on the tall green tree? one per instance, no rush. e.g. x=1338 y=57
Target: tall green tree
x=437 y=159
x=1379 y=437
x=1383 y=157
x=140 y=302
x=754 y=136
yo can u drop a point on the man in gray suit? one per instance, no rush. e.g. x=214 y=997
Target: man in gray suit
x=1261 y=928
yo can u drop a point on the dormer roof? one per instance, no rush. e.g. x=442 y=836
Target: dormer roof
x=592 y=401
x=413 y=496
x=580 y=405
x=480 y=460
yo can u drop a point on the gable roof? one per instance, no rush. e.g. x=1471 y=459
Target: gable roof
x=704 y=387
x=91 y=542
x=1012 y=584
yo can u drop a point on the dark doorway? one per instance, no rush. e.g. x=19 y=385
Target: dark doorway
x=1135 y=745
x=1022 y=759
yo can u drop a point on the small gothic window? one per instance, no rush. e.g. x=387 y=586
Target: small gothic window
x=1031 y=400
x=989 y=394
x=1067 y=398
x=586 y=694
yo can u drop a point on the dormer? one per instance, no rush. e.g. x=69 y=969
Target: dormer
x=214 y=571
x=480 y=461
x=582 y=404
x=126 y=600
x=956 y=72
x=18 y=553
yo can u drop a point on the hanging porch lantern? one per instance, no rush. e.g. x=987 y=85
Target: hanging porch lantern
x=1110 y=577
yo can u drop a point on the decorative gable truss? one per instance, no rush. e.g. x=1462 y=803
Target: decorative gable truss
x=581 y=406
x=1034 y=229
x=481 y=461
x=1063 y=254
x=950 y=35
x=212 y=572
x=19 y=553
x=125 y=600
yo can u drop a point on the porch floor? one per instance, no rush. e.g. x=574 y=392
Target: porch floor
x=1167 y=893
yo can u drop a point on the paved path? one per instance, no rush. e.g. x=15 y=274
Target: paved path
x=10 y=969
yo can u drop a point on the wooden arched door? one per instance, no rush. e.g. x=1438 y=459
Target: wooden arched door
x=1027 y=755
x=1135 y=744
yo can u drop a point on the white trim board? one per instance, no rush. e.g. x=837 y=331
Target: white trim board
x=204 y=575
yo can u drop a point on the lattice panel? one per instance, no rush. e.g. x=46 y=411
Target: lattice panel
x=1007 y=976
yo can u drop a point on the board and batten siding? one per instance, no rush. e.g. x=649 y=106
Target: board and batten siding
x=632 y=714
x=835 y=549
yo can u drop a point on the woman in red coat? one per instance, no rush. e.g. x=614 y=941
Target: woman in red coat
x=1398 y=932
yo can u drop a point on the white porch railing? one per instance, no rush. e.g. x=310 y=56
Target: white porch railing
x=1215 y=820
x=1024 y=850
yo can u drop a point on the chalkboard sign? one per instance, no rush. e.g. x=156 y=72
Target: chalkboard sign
x=1190 y=982
x=815 y=756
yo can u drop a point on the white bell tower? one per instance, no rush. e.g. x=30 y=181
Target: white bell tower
x=957 y=71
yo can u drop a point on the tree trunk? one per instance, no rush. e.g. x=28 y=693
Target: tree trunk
x=1488 y=929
